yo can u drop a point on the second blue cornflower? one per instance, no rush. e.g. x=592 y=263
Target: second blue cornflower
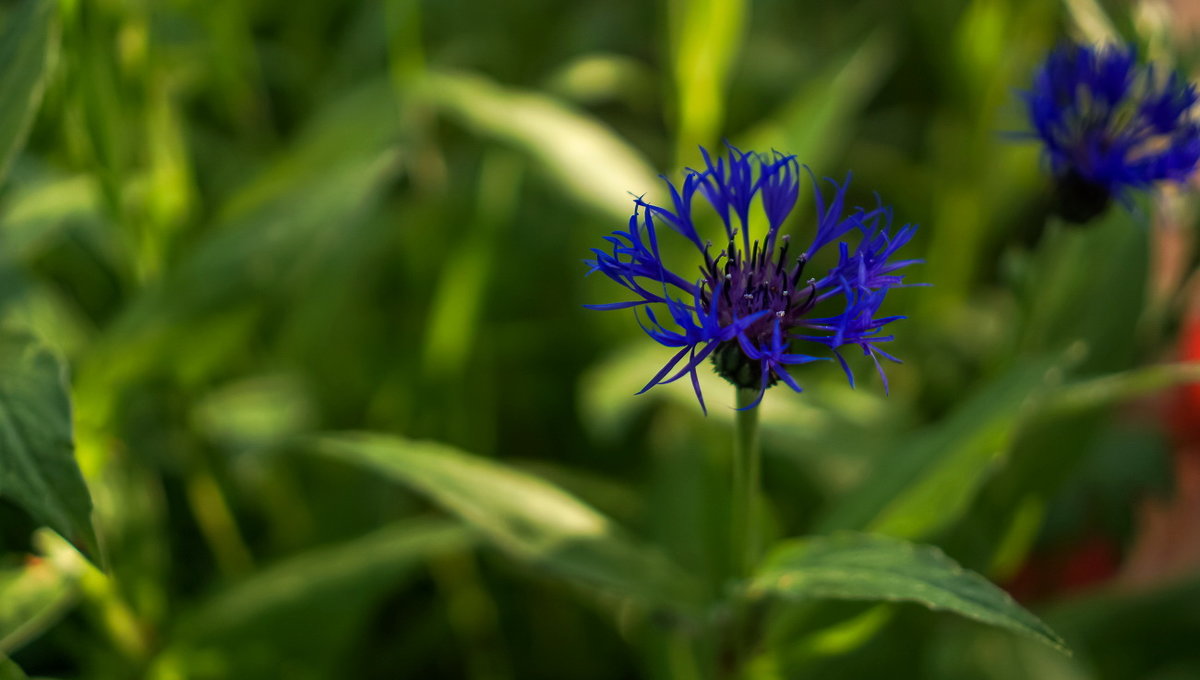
x=1109 y=126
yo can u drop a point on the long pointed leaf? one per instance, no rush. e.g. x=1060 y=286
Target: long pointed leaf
x=851 y=566
x=27 y=49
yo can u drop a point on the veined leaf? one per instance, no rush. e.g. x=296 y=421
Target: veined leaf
x=849 y=566
x=527 y=517
x=38 y=470
x=27 y=49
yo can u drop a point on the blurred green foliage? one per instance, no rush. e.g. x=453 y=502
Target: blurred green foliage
x=248 y=228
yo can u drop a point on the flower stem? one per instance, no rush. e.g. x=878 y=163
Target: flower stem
x=746 y=473
x=743 y=523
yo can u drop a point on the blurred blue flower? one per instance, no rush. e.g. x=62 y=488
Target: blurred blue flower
x=752 y=309
x=1110 y=126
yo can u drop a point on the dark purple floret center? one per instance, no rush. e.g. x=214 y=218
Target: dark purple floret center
x=747 y=285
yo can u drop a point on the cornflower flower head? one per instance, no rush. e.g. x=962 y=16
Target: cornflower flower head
x=755 y=308
x=1110 y=125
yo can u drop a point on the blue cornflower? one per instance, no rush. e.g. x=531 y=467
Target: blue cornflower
x=752 y=309
x=1110 y=126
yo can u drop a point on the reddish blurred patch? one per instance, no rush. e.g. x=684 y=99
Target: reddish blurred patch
x=1166 y=539
x=1168 y=543
x=1183 y=408
x=1066 y=570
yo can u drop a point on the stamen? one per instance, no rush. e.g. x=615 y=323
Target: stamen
x=812 y=294
x=800 y=262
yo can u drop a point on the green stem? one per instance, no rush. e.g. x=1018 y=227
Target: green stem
x=746 y=472
x=743 y=520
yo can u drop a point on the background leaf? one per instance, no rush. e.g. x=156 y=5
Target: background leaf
x=31 y=599
x=589 y=161
x=10 y=670
x=925 y=483
x=296 y=616
x=27 y=49
x=527 y=517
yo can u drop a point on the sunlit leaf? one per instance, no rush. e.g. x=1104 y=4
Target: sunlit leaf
x=38 y=470
x=255 y=412
x=37 y=211
x=582 y=155
x=706 y=38
x=527 y=517
x=869 y=567
x=27 y=48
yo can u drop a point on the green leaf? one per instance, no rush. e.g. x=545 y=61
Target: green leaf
x=37 y=210
x=27 y=49
x=929 y=481
x=1134 y=631
x=1097 y=319
x=589 y=160
x=294 y=617
x=527 y=517
x=992 y=654
x=31 y=597
x=36 y=594
x=38 y=470
x=1109 y=390
x=10 y=670
x=707 y=36
x=820 y=117
x=849 y=566
x=314 y=200
x=1064 y=303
